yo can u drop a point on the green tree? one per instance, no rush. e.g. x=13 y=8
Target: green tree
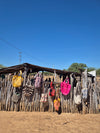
x=98 y=72
x=90 y=69
x=1 y=66
x=76 y=67
x=48 y=73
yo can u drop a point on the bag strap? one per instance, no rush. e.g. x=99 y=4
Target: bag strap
x=19 y=73
x=67 y=81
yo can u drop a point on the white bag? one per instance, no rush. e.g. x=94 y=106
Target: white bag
x=84 y=94
x=77 y=99
x=44 y=98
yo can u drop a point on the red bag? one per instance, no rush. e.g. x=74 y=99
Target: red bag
x=52 y=90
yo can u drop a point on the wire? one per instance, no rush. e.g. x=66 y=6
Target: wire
x=9 y=44
x=26 y=53
x=12 y=45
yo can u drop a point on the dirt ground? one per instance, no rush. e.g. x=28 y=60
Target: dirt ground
x=44 y=122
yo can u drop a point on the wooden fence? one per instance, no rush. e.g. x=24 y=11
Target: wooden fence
x=32 y=103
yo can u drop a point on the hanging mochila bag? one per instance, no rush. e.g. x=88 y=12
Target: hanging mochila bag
x=16 y=95
x=77 y=99
x=44 y=97
x=57 y=104
x=38 y=81
x=84 y=94
x=17 y=80
x=65 y=87
x=52 y=90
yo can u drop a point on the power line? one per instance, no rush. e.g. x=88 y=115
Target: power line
x=24 y=52
x=20 y=51
x=10 y=44
x=20 y=57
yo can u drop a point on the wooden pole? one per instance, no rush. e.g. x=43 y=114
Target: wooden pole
x=84 y=85
x=71 y=93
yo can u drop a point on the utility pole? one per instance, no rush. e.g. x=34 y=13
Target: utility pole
x=20 y=57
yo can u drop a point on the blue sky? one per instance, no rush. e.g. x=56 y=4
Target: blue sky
x=50 y=33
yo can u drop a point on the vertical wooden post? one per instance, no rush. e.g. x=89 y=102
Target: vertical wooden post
x=55 y=75
x=96 y=94
x=91 y=97
x=90 y=110
x=84 y=85
x=25 y=75
x=42 y=91
x=99 y=101
x=71 y=94
x=24 y=82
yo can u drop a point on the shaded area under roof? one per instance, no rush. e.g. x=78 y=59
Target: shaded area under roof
x=34 y=68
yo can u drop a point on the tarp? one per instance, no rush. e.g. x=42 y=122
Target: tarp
x=93 y=73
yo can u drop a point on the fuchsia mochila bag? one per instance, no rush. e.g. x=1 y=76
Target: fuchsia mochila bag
x=65 y=87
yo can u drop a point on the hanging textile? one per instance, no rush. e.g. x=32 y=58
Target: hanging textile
x=84 y=94
x=17 y=80
x=28 y=89
x=77 y=94
x=65 y=87
x=16 y=95
x=57 y=104
x=38 y=80
x=44 y=97
x=52 y=90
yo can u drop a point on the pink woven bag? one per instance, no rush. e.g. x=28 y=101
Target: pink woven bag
x=65 y=87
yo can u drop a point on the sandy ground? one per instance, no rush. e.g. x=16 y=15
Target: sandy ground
x=40 y=122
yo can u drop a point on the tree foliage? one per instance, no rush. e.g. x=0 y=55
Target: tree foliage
x=98 y=72
x=90 y=69
x=75 y=67
x=48 y=73
x=1 y=66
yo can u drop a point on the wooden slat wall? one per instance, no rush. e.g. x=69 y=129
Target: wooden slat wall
x=67 y=102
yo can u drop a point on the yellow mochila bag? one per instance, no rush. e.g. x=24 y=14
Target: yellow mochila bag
x=17 y=80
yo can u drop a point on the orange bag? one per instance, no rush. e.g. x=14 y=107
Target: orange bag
x=57 y=104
